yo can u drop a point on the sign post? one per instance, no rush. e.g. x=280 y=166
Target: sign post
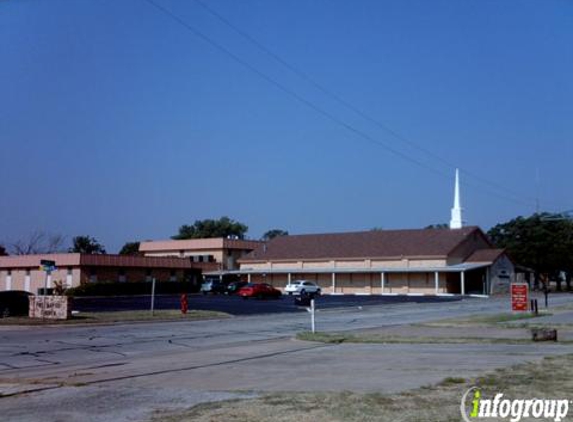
x=48 y=266
x=153 y=297
x=519 y=297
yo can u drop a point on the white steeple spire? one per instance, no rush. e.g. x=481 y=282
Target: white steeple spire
x=456 y=222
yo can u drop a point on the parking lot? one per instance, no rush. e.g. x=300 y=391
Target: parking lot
x=237 y=306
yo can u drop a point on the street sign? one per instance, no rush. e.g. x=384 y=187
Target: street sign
x=519 y=297
x=48 y=266
x=47 y=263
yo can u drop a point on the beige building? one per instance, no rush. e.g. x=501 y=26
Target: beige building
x=23 y=272
x=429 y=261
x=222 y=252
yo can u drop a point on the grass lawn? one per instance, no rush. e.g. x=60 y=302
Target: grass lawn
x=337 y=338
x=120 y=316
x=551 y=377
x=486 y=320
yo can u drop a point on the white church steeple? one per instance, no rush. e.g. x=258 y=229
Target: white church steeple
x=456 y=222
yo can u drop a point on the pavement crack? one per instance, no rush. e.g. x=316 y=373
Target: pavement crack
x=209 y=365
x=97 y=350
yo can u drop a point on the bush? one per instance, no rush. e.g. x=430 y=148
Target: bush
x=115 y=288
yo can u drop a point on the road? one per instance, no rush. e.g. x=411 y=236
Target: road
x=125 y=372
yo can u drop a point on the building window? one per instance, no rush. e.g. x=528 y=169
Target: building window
x=173 y=275
x=121 y=276
x=28 y=272
x=70 y=272
x=93 y=275
x=182 y=254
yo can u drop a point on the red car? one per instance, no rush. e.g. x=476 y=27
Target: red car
x=259 y=290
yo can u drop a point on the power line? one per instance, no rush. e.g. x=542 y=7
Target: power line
x=361 y=134
x=290 y=92
x=303 y=75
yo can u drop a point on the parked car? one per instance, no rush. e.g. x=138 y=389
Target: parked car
x=302 y=287
x=14 y=303
x=259 y=290
x=235 y=286
x=213 y=286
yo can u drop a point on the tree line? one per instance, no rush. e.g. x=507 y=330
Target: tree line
x=44 y=243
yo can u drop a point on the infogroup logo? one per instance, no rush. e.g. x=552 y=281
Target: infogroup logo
x=474 y=406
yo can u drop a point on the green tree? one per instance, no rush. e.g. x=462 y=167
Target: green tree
x=223 y=227
x=542 y=242
x=271 y=234
x=86 y=245
x=130 y=248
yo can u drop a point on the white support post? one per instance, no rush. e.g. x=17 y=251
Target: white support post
x=437 y=281
x=463 y=282
x=249 y=278
x=333 y=283
x=289 y=278
x=312 y=320
x=382 y=282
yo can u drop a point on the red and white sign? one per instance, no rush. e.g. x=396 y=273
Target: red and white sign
x=519 y=297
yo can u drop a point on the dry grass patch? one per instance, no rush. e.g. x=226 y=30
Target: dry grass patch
x=120 y=316
x=551 y=378
x=484 y=320
x=372 y=338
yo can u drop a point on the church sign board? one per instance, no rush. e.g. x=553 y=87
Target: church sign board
x=519 y=297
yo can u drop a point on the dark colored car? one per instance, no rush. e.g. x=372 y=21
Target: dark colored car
x=259 y=290
x=235 y=286
x=14 y=303
x=213 y=286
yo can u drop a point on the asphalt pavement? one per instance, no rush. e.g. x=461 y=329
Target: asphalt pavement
x=235 y=305
x=126 y=372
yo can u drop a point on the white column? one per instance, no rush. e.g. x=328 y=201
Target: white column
x=333 y=283
x=27 y=283
x=437 y=281
x=463 y=282
x=249 y=277
x=383 y=281
x=289 y=278
x=9 y=282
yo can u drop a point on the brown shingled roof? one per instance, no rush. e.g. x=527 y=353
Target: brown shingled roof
x=370 y=244
x=485 y=255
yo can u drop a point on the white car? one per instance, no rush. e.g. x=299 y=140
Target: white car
x=301 y=287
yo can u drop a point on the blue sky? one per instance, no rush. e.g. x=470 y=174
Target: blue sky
x=118 y=122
